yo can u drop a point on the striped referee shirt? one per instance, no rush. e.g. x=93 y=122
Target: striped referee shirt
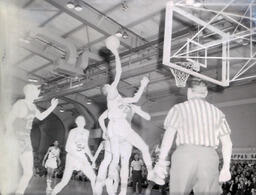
x=197 y=122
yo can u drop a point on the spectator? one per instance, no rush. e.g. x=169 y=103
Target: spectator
x=136 y=169
x=243 y=180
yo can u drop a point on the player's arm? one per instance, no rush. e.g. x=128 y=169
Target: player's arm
x=144 y=82
x=97 y=152
x=131 y=168
x=226 y=143
x=118 y=69
x=58 y=158
x=101 y=120
x=70 y=145
x=87 y=149
x=42 y=115
x=45 y=156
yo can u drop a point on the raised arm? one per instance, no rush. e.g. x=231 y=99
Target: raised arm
x=118 y=69
x=143 y=84
x=42 y=115
x=113 y=43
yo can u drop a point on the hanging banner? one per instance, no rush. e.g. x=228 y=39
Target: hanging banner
x=244 y=156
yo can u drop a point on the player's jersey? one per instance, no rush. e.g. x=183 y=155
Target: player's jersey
x=23 y=125
x=80 y=137
x=53 y=153
x=117 y=109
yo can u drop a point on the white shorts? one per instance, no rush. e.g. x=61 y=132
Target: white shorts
x=119 y=127
x=51 y=163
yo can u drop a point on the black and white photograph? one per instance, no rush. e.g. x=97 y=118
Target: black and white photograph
x=127 y=97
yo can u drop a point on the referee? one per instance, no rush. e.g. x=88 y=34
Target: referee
x=199 y=126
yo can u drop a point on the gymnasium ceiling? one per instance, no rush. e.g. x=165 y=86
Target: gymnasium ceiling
x=142 y=20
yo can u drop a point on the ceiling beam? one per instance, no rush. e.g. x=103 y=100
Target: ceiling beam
x=98 y=81
x=50 y=19
x=23 y=59
x=41 y=67
x=79 y=18
x=27 y=4
x=73 y=30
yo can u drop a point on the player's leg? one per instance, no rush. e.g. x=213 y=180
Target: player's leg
x=26 y=161
x=66 y=175
x=149 y=188
x=89 y=172
x=125 y=154
x=139 y=182
x=114 y=143
x=102 y=172
x=134 y=180
x=49 y=177
x=134 y=139
x=113 y=167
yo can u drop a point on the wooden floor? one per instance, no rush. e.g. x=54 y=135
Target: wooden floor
x=37 y=186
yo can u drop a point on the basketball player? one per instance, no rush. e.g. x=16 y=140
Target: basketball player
x=199 y=126
x=52 y=162
x=126 y=149
x=76 y=148
x=19 y=124
x=119 y=128
x=125 y=154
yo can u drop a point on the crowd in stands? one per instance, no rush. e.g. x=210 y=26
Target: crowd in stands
x=243 y=180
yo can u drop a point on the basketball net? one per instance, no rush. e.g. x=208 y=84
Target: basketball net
x=180 y=76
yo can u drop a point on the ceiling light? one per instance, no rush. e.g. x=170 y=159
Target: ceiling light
x=78 y=7
x=125 y=35
x=70 y=4
x=124 y=5
x=89 y=101
x=61 y=110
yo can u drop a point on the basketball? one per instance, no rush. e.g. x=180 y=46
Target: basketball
x=112 y=43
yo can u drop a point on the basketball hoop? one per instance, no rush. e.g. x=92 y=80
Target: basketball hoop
x=180 y=76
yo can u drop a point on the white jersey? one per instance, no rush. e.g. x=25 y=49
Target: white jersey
x=78 y=139
x=53 y=153
x=51 y=161
x=117 y=109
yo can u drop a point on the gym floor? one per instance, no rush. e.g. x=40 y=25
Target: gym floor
x=37 y=186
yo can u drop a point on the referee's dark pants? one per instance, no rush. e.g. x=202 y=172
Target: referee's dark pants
x=136 y=178
x=194 y=168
